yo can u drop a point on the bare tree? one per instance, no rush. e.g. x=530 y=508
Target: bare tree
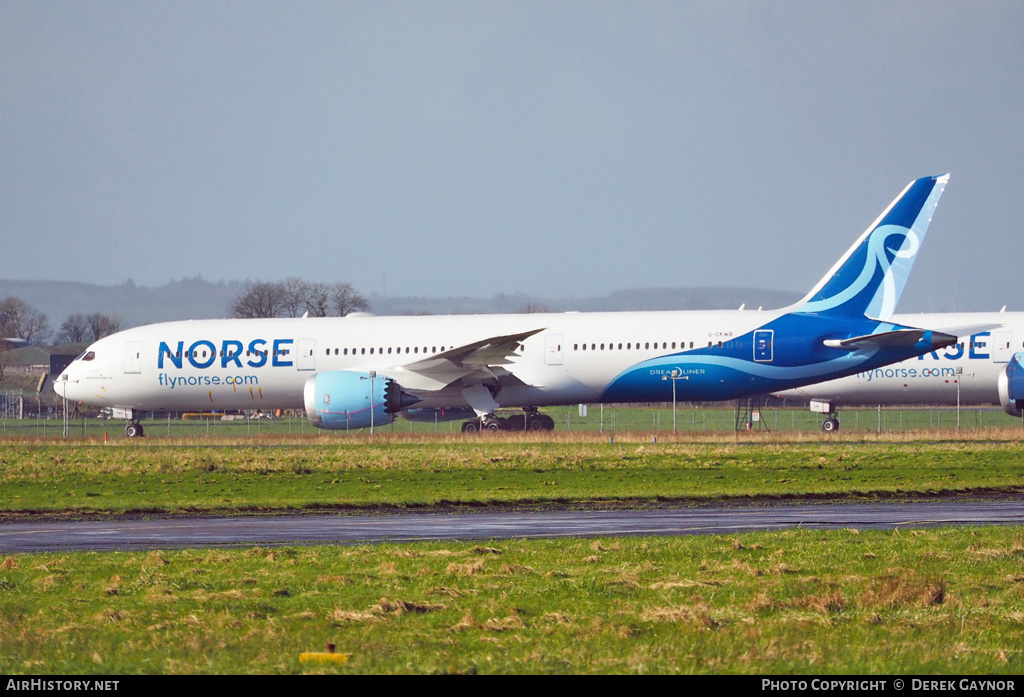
x=20 y=320
x=75 y=329
x=101 y=325
x=318 y=299
x=532 y=309
x=347 y=299
x=259 y=299
x=78 y=328
x=293 y=296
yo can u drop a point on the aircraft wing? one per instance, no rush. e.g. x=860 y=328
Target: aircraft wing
x=481 y=359
x=898 y=338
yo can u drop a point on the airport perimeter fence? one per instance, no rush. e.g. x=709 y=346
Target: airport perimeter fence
x=609 y=420
x=12 y=405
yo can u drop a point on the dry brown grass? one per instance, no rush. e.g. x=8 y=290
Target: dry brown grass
x=386 y=606
x=467 y=569
x=905 y=589
x=697 y=615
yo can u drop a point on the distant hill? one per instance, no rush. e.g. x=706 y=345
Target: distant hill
x=633 y=299
x=195 y=298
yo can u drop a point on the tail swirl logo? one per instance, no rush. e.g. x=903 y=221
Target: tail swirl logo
x=887 y=246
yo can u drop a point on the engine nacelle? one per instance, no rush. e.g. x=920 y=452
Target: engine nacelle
x=343 y=399
x=1011 y=386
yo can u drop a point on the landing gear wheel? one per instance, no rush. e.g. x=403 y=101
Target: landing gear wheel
x=830 y=425
x=515 y=422
x=133 y=430
x=534 y=423
x=492 y=426
x=471 y=426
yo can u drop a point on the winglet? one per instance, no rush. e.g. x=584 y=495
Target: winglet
x=869 y=278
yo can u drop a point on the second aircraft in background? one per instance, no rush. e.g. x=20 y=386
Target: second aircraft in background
x=983 y=367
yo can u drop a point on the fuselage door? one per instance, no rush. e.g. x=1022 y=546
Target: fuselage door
x=1002 y=346
x=306 y=360
x=763 y=352
x=553 y=349
x=133 y=357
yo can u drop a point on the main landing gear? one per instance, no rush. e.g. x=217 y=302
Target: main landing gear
x=133 y=430
x=528 y=421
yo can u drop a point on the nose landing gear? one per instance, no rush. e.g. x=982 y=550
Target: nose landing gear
x=831 y=422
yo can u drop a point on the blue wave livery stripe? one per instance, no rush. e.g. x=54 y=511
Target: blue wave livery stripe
x=800 y=357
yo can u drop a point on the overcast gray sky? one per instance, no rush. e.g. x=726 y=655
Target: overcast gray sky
x=472 y=148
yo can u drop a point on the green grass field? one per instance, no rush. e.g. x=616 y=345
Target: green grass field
x=796 y=602
x=937 y=601
x=393 y=471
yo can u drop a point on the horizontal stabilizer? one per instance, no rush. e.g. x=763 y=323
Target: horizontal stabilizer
x=965 y=330
x=900 y=338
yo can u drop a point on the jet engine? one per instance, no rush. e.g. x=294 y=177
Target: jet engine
x=344 y=399
x=1011 y=386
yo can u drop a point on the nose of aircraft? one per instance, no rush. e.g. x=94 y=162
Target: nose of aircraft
x=68 y=383
x=63 y=384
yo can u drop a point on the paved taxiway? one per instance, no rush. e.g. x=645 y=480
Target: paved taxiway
x=124 y=534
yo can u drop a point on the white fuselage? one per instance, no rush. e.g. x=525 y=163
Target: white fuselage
x=263 y=364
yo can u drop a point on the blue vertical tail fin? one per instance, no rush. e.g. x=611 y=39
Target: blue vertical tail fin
x=869 y=278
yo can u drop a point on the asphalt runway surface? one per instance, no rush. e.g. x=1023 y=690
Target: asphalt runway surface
x=199 y=532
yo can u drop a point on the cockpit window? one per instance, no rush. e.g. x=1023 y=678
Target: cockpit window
x=87 y=356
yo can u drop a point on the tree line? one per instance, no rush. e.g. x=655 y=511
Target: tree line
x=20 y=320
x=291 y=297
x=294 y=297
